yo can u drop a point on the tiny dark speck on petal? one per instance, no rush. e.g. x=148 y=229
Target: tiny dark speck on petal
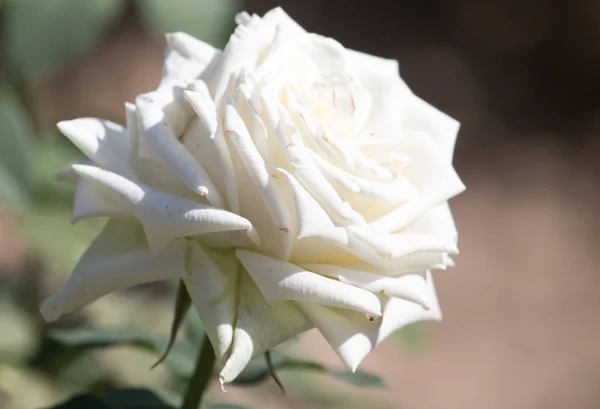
x=285 y=229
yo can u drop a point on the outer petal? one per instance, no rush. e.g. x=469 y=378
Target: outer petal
x=437 y=222
x=164 y=217
x=403 y=244
x=419 y=115
x=259 y=326
x=90 y=202
x=398 y=313
x=408 y=287
x=117 y=259
x=185 y=58
x=430 y=172
x=213 y=285
x=280 y=281
x=104 y=142
x=353 y=337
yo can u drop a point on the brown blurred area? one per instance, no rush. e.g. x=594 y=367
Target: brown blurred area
x=521 y=327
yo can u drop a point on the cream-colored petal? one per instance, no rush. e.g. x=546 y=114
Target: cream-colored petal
x=264 y=181
x=403 y=244
x=436 y=222
x=419 y=115
x=311 y=219
x=208 y=144
x=313 y=180
x=117 y=259
x=366 y=65
x=165 y=147
x=430 y=173
x=398 y=313
x=351 y=335
x=164 y=217
x=147 y=170
x=244 y=47
x=185 y=58
x=409 y=287
x=281 y=281
x=89 y=202
x=212 y=282
x=104 y=142
x=394 y=192
x=259 y=327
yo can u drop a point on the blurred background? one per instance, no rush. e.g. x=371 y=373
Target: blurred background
x=521 y=328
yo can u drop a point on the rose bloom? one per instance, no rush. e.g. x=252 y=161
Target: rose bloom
x=290 y=182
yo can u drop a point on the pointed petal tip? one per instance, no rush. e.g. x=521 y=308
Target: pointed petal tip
x=253 y=235
x=49 y=310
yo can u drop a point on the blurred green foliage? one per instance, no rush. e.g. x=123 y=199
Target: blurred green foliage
x=15 y=131
x=41 y=34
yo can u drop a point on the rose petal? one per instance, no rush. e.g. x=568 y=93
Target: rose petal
x=117 y=259
x=264 y=182
x=165 y=147
x=311 y=219
x=185 y=58
x=90 y=202
x=398 y=313
x=430 y=173
x=259 y=327
x=164 y=217
x=281 y=281
x=212 y=284
x=209 y=146
x=313 y=180
x=403 y=244
x=408 y=287
x=104 y=142
x=419 y=115
x=351 y=335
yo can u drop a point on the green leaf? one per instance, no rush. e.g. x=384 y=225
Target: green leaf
x=83 y=402
x=134 y=398
x=226 y=406
x=52 y=154
x=15 y=131
x=258 y=371
x=119 y=399
x=180 y=360
x=42 y=34
x=358 y=378
x=209 y=20
x=182 y=306
x=12 y=193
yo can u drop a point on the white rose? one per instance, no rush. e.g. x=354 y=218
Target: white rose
x=291 y=184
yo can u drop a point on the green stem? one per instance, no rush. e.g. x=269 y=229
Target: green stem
x=201 y=377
